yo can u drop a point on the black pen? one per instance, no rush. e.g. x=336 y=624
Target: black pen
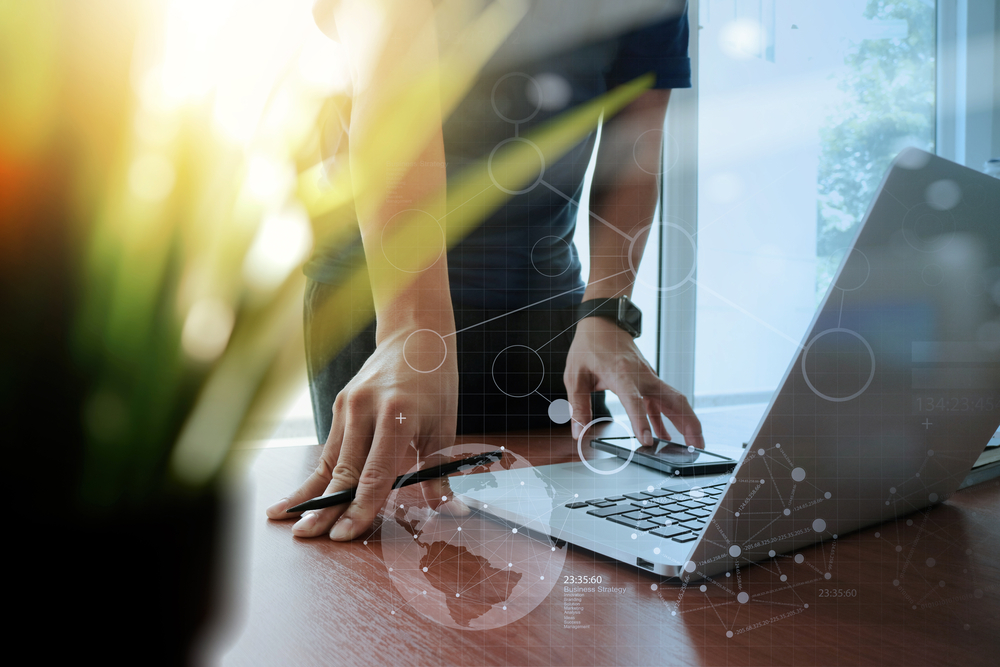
x=435 y=472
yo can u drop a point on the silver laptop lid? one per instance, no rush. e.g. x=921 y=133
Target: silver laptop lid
x=895 y=389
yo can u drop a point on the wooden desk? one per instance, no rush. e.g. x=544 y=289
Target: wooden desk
x=920 y=590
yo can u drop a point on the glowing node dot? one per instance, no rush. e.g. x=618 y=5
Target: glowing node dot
x=760 y=452
x=777 y=445
x=828 y=495
x=502 y=448
x=576 y=495
x=933 y=497
x=522 y=483
x=553 y=548
x=656 y=550
x=423 y=592
x=735 y=551
x=415 y=537
x=805 y=606
x=649 y=488
x=703 y=588
x=729 y=574
x=634 y=536
x=390 y=569
x=542 y=577
x=514 y=530
x=401 y=506
x=729 y=634
x=892 y=489
x=365 y=543
x=690 y=566
x=787 y=512
x=909 y=522
x=913 y=607
x=887 y=502
x=485 y=506
x=673 y=613
x=783 y=577
x=458 y=595
x=736 y=514
x=895 y=582
x=827 y=576
x=505 y=607
x=941 y=584
x=442 y=498
x=393 y=613
x=653 y=587
x=425 y=569
x=898 y=548
x=930 y=452
x=819 y=525
x=743 y=597
x=798 y=474
x=459 y=529
x=771 y=553
x=762 y=480
x=917 y=475
x=799 y=558
x=732 y=480
x=510 y=565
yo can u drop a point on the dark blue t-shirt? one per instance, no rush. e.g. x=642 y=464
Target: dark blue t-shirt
x=523 y=252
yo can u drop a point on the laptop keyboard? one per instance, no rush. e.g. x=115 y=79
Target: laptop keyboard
x=671 y=513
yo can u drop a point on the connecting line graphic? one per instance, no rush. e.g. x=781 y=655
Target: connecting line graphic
x=532 y=305
x=612 y=226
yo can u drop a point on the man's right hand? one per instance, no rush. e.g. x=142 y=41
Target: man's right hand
x=389 y=405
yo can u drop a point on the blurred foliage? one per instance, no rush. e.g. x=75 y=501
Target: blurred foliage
x=890 y=105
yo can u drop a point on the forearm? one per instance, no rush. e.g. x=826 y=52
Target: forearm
x=624 y=195
x=398 y=170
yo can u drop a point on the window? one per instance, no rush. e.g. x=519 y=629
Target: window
x=799 y=109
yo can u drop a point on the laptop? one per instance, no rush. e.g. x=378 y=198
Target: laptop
x=892 y=396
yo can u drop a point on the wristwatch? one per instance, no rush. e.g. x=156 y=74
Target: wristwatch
x=621 y=311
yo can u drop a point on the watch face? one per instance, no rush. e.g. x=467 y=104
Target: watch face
x=630 y=317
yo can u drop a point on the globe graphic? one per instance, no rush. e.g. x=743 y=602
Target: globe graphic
x=467 y=572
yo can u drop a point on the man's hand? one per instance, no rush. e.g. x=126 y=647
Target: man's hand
x=603 y=356
x=385 y=408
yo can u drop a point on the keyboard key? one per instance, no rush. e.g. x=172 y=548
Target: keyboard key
x=637 y=515
x=599 y=502
x=701 y=514
x=660 y=494
x=673 y=507
x=686 y=538
x=632 y=523
x=682 y=516
x=643 y=503
x=615 y=499
x=638 y=496
x=692 y=525
x=576 y=506
x=668 y=532
x=656 y=511
x=605 y=512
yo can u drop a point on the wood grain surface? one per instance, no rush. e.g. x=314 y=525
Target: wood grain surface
x=919 y=590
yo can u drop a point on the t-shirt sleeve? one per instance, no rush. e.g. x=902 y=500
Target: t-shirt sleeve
x=661 y=48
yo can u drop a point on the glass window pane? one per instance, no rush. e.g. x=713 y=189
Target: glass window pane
x=802 y=107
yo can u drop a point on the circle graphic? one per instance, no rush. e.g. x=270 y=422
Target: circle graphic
x=911 y=158
x=415 y=247
x=798 y=474
x=536 y=258
x=515 y=367
x=560 y=411
x=673 y=228
x=422 y=361
x=932 y=275
x=579 y=445
x=830 y=367
x=855 y=273
x=646 y=151
x=520 y=169
x=927 y=229
x=555 y=91
x=467 y=572
x=533 y=92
